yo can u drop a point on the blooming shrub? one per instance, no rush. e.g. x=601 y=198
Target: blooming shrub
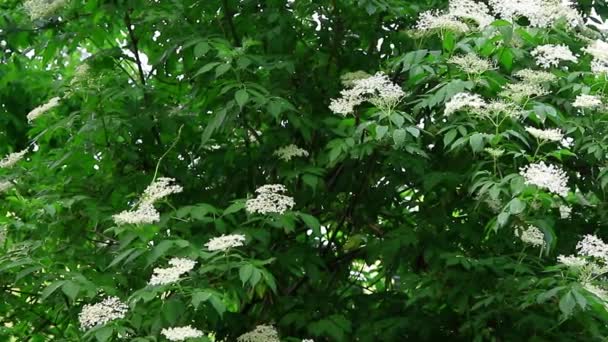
x=311 y=170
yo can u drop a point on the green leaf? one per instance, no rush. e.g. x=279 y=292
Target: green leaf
x=199 y=297
x=476 y=142
x=241 y=96
x=449 y=137
x=222 y=69
x=312 y=223
x=51 y=288
x=70 y=289
x=201 y=49
x=516 y=206
x=381 y=131
x=245 y=273
x=567 y=304
x=103 y=334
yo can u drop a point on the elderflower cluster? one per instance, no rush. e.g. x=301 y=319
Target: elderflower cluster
x=494 y=152
x=551 y=55
x=82 y=75
x=572 y=261
x=535 y=76
x=465 y=101
x=5 y=185
x=592 y=246
x=500 y=107
x=522 y=91
x=261 y=333
x=225 y=242
x=270 y=199
x=40 y=9
x=472 y=64
x=145 y=213
x=585 y=101
x=377 y=90
x=111 y=308
x=12 y=159
x=179 y=266
x=286 y=153
x=548 y=177
x=38 y=111
x=565 y=211
x=554 y=134
x=431 y=21
x=454 y=19
x=471 y=10
x=599 y=50
x=540 y=13
x=181 y=333
x=599 y=292
x=531 y=235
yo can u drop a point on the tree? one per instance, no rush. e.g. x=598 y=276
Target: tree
x=336 y=170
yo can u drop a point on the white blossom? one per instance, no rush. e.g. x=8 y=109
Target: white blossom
x=505 y=108
x=551 y=55
x=12 y=159
x=565 y=211
x=261 y=333
x=143 y=214
x=181 y=333
x=431 y=21
x=587 y=101
x=548 y=177
x=111 y=308
x=593 y=246
x=159 y=189
x=572 y=261
x=82 y=75
x=378 y=90
x=554 y=134
x=225 y=242
x=535 y=76
x=601 y=293
x=599 y=67
x=522 y=91
x=286 y=153
x=598 y=49
x=531 y=235
x=472 y=64
x=40 y=9
x=472 y=10
x=270 y=199
x=465 y=101
x=179 y=266
x=38 y=111
x=540 y=13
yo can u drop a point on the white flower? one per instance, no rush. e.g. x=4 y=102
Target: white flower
x=531 y=235
x=143 y=214
x=599 y=67
x=587 y=101
x=101 y=313
x=225 y=242
x=179 y=266
x=522 y=91
x=40 y=9
x=592 y=246
x=462 y=101
x=12 y=159
x=472 y=64
x=554 y=134
x=535 y=76
x=550 y=55
x=540 y=13
x=505 y=108
x=5 y=185
x=181 y=333
x=261 y=333
x=287 y=152
x=270 y=200
x=308 y=340
x=572 y=261
x=596 y=290
x=598 y=49
x=159 y=189
x=377 y=89
x=431 y=21
x=473 y=10
x=548 y=177
x=38 y=111
x=565 y=211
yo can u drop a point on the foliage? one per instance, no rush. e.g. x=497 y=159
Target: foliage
x=395 y=221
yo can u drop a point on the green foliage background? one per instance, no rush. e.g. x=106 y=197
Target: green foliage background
x=229 y=83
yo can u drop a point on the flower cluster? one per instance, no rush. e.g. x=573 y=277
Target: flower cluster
x=540 y=13
x=40 y=9
x=377 y=90
x=535 y=76
x=261 y=333
x=531 y=235
x=109 y=309
x=465 y=101
x=523 y=91
x=179 y=266
x=431 y=21
x=452 y=20
x=554 y=134
x=270 y=200
x=181 y=333
x=471 y=10
x=548 y=177
x=596 y=290
x=287 y=152
x=599 y=50
x=572 y=261
x=592 y=246
x=38 y=111
x=585 y=101
x=565 y=211
x=472 y=64
x=12 y=159
x=225 y=242
x=145 y=213
x=504 y=108
x=551 y=55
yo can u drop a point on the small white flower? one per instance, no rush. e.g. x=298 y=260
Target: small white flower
x=378 y=90
x=540 y=13
x=433 y=21
x=565 y=211
x=286 y=153
x=464 y=101
x=593 y=246
x=225 y=242
x=587 y=101
x=41 y=9
x=101 y=313
x=531 y=235
x=548 y=177
x=572 y=261
x=472 y=64
x=261 y=333
x=522 y=91
x=143 y=214
x=597 y=291
x=535 y=76
x=472 y=10
x=172 y=274
x=181 y=333
x=12 y=159
x=159 y=189
x=598 y=49
x=38 y=111
x=546 y=134
x=551 y=55
x=270 y=200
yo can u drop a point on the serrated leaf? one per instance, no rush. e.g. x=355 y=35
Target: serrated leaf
x=241 y=96
x=245 y=273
